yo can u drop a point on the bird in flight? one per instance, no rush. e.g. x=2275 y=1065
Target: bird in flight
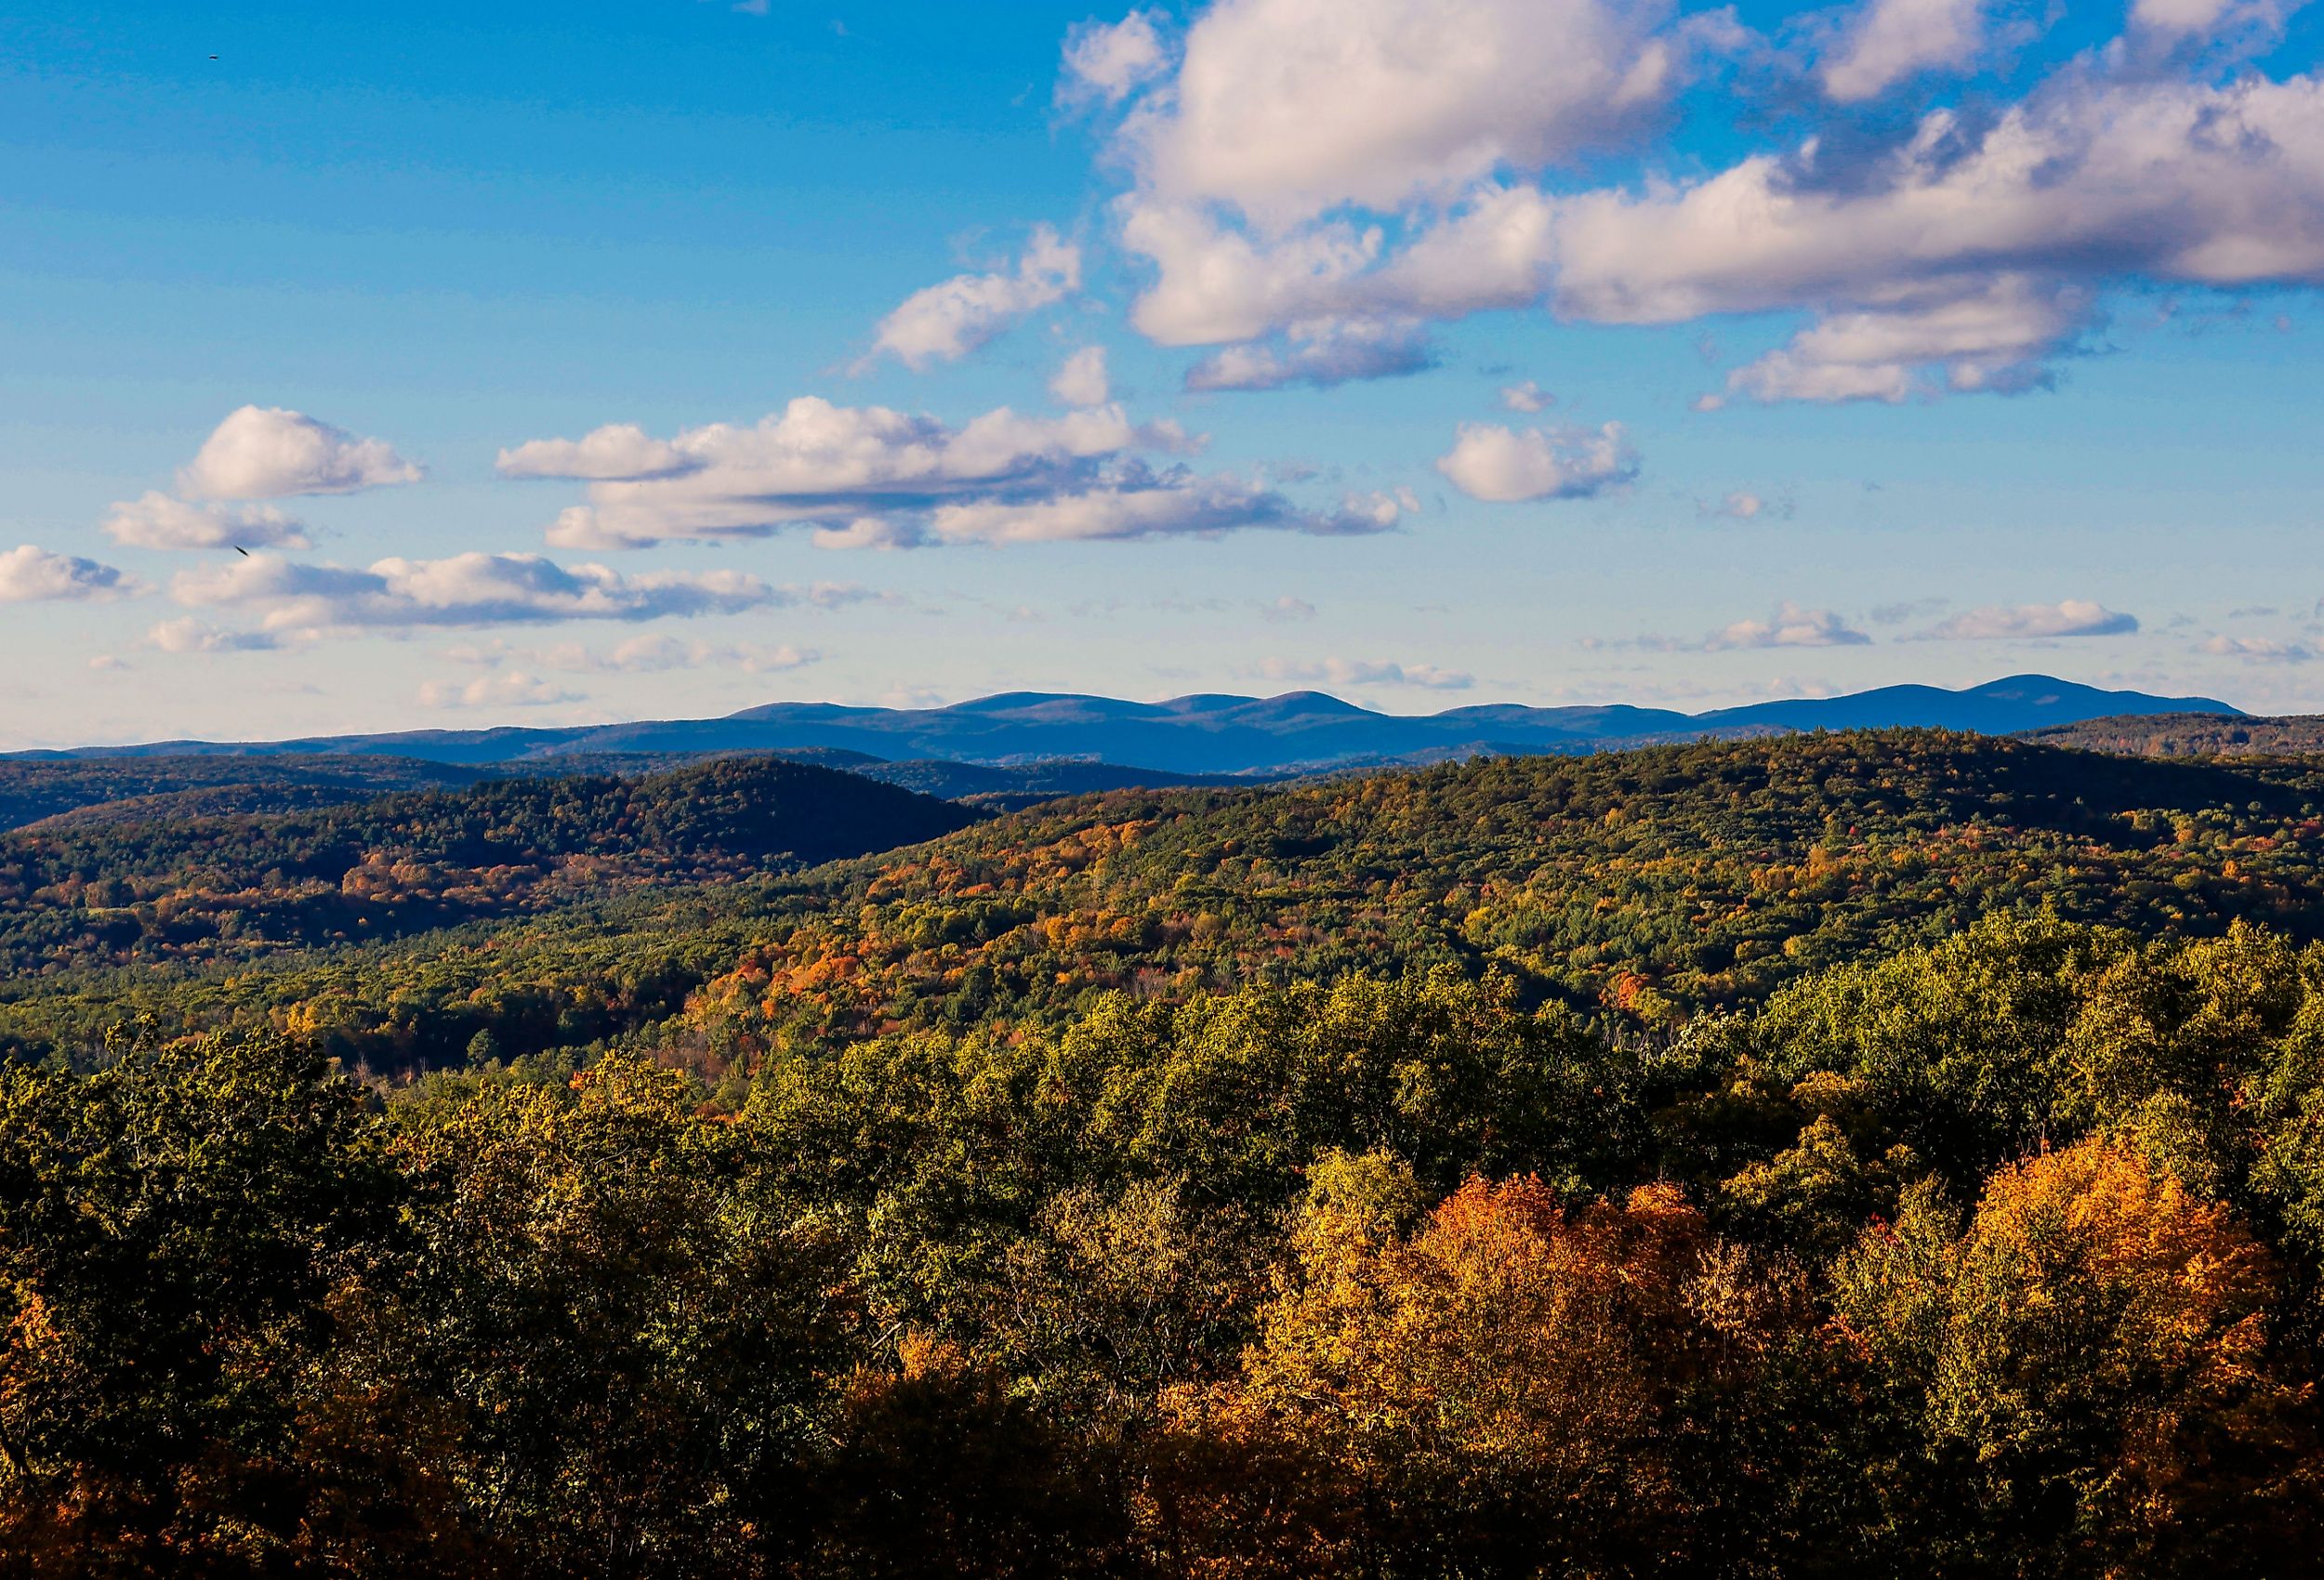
x=244 y=552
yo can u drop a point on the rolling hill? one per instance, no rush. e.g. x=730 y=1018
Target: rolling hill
x=99 y=893
x=1650 y=885
x=1214 y=734
x=2188 y=735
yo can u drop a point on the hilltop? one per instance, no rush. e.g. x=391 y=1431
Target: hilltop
x=1216 y=734
x=1648 y=885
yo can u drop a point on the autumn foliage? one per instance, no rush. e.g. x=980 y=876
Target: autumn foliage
x=1226 y=1186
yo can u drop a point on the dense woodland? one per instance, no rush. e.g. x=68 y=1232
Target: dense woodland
x=133 y=789
x=2191 y=735
x=1867 y=1154
x=84 y=892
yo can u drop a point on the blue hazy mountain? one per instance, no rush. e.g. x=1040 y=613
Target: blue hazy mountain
x=1218 y=735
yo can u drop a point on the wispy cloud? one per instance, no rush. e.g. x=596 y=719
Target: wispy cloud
x=1319 y=355
x=514 y=689
x=874 y=478
x=2260 y=650
x=945 y=321
x=1366 y=672
x=466 y=589
x=2074 y=617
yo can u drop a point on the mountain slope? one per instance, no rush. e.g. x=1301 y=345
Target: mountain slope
x=1216 y=734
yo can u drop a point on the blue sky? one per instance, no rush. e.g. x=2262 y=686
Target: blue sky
x=1894 y=398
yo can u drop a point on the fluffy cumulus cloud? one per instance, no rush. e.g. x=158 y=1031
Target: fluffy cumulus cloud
x=466 y=589
x=1107 y=62
x=1488 y=461
x=1789 y=626
x=617 y=450
x=2074 y=617
x=1391 y=161
x=869 y=477
x=1082 y=380
x=1366 y=672
x=1319 y=354
x=1286 y=108
x=268 y=452
x=34 y=575
x=1891 y=40
x=157 y=520
x=1527 y=397
x=945 y=321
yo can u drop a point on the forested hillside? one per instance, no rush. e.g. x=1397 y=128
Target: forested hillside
x=1651 y=883
x=31 y=791
x=75 y=894
x=1877 y=1154
x=1646 y=885
x=2191 y=735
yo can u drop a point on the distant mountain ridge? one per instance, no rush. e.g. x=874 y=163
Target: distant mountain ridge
x=1216 y=733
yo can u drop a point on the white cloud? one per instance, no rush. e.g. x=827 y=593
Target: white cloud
x=1322 y=354
x=1740 y=506
x=466 y=589
x=873 y=478
x=1992 y=334
x=1527 y=397
x=2260 y=650
x=1217 y=285
x=1082 y=381
x=815 y=462
x=1491 y=462
x=1366 y=672
x=2165 y=26
x=268 y=452
x=943 y=322
x=617 y=450
x=1891 y=40
x=34 y=575
x=515 y=689
x=1289 y=108
x=1110 y=61
x=2074 y=617
x=156 y=520
x=1171 y=507
x=1287 y=609
x=832 y=594
x=192 y=636
x=1789 y=626
x=654 y=655
x=1963 y=258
